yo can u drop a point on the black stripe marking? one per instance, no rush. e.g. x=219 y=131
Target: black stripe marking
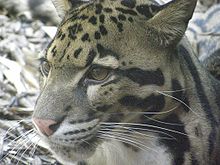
x=151 y=103
x=182 y=143
x=179 y=94
x=63 y=36
x=143 y=77
x=201 y=95
x=91 y=56
x=54 y=51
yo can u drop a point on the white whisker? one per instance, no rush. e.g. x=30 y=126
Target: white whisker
x=148 y=125
x=181 y=103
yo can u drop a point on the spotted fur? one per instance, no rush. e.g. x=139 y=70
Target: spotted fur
x=156 y=105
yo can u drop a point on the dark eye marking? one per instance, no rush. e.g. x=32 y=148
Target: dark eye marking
x=144 y=77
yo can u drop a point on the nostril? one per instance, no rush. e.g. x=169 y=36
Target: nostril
x=46 y=126
x=54 y=127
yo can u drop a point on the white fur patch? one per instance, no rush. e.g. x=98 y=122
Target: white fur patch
x=108 y=61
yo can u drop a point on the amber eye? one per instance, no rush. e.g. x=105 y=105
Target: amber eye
x=98 y=74
x=45 y=68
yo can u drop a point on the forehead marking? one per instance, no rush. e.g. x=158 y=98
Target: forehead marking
x=92 y=54
x=93 y=20
x=85 y=37
x=103 y=52
x=126 y=11
x=77 y=52
x=107 y=10
x=98 y=9
x=102 y=18
x=97 y=35
x=103 y=30
x=128 y=3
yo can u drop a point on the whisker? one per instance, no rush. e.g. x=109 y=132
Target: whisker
x=131 y=140
x=179 y=90
x=182 y=103
x=162 y=122
x=136 y=132
x=11 y=143
x=30 y=131
x=34 y=148
x=145 y=113
x=13 y=128
x=149 y=125
x=109 y=137
x=26 y=149
x=140 y=129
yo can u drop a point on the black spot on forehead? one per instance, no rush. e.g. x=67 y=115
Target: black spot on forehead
x=107 y=10
x=103 y=30
x=98 y=9
x=120 y=27
x=130 y=19
x=129 y=3
x=126 y=11
x=114 y=19
x=121 y=17
x=85 y=37
x=77 y=52
x=97 y=35
x=83 y=17
x=102 y=18
x=93 y=20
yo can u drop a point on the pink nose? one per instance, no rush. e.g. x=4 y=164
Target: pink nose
x=46 y=126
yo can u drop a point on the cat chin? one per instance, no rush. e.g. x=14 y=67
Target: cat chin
x=70 y=155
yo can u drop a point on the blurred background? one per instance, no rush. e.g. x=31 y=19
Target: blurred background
x=26 y=28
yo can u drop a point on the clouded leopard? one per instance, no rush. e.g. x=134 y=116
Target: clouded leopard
x=122 y=86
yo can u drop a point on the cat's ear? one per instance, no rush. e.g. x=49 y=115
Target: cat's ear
x=168 y=26
x=62 y=6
